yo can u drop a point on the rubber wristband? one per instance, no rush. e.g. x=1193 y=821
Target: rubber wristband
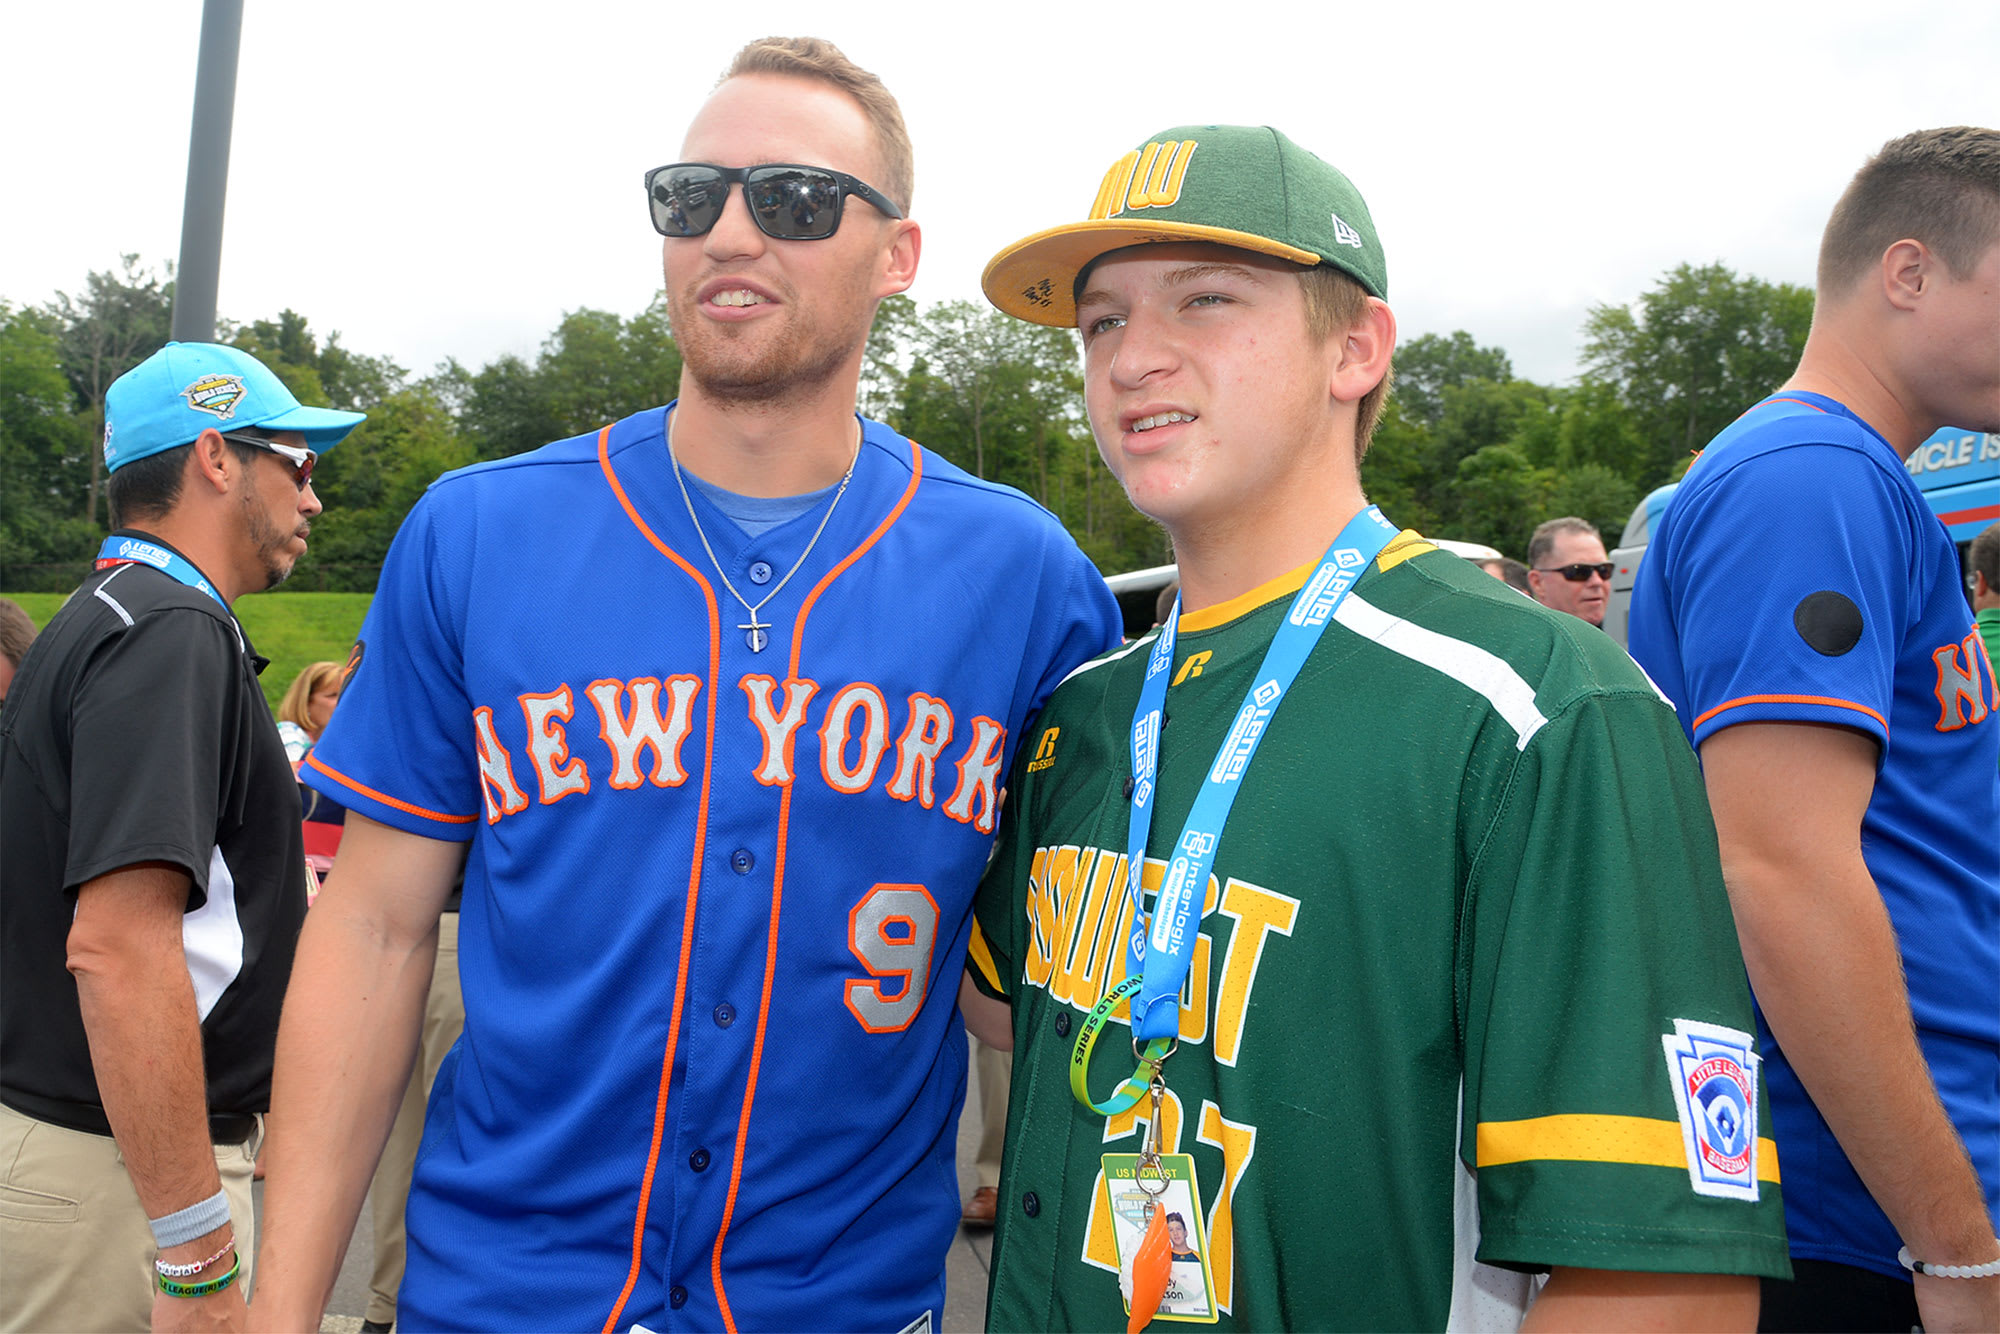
x=197 y=1220
x=1988 y=1270
x=207 y=1288
x=1128 y=1093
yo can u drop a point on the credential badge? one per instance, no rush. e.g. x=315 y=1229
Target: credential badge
x=216 y=395
x=1714 y=1074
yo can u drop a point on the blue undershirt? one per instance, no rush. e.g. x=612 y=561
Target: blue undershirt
x=757 y=515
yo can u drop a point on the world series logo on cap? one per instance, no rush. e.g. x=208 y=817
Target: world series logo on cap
x=216 y=395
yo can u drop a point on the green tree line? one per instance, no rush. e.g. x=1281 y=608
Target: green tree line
x=1465 y=449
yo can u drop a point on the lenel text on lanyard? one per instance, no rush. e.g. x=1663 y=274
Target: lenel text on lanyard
x=1161 y=944
x=136 y=551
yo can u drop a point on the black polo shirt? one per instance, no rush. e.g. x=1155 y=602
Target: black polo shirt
x=135 y=732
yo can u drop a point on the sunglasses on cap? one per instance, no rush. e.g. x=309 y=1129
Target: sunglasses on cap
x=789 y=202
x=302 y=460
x=1579 y=572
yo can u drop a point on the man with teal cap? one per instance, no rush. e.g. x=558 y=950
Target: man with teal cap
x=1451 y=996
x=155 y=877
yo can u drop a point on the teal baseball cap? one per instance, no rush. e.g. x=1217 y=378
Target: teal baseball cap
x=1236 y=185
x=171 y=397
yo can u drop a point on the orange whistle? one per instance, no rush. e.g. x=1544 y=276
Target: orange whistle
x=1152 y=1266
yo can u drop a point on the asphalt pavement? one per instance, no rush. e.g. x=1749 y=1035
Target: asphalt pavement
x=966 y=1267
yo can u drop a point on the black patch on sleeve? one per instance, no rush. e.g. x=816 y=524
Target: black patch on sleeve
x=1829 y=622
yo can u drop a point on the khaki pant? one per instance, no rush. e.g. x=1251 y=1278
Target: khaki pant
x=993 y=1071
x=444 y=1017
x=75 y=1250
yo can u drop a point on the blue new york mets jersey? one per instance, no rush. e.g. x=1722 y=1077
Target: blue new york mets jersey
x=717 y=899
x=1798 y=576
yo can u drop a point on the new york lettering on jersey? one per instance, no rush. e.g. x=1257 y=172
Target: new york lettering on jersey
x=731 y=887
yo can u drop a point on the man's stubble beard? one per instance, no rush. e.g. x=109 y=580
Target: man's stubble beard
x=803 y=358
x=269 y=540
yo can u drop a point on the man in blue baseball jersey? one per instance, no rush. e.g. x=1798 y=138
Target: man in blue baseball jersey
x=715 y=703
x=1801 y=605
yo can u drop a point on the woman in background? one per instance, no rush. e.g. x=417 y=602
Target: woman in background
x=306 y=707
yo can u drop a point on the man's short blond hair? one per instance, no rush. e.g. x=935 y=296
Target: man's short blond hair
x=818 y=59
x=1335 y=303
x=1940 y=187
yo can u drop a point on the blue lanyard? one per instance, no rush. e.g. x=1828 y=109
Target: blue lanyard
x=1161 y=945
x=131 y=550
x=1165 y=949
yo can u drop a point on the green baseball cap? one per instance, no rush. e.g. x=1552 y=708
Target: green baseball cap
x=1236 y=185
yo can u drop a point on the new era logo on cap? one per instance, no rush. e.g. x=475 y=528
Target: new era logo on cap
x=1343 y=233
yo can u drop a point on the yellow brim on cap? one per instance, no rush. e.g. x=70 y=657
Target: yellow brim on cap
x=1034 y=279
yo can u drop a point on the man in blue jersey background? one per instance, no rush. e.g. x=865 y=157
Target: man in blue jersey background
x=1801 y=606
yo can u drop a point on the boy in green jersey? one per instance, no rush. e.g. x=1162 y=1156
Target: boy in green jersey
x=1462 y=1001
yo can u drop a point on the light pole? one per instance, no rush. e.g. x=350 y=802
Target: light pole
x=207 y=173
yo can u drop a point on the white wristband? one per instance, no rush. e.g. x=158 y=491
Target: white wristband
x=1987 y=1270
x=197 y=1220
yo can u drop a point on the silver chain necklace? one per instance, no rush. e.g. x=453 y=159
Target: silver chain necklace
x=753 y=630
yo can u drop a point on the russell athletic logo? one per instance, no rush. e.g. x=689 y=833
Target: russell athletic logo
x=1714 y=1075
x=216 y=395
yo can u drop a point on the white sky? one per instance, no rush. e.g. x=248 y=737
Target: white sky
x=434 y=179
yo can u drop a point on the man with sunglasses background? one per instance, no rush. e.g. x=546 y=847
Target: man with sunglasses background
x=1568 y=569
x=721 y=699
x=155 y=875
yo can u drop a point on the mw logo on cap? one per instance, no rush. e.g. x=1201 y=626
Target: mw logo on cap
x=1144 y=178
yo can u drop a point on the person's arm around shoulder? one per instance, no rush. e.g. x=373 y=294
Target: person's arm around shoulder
x=989 y=1020
x=144 y=1030
x=1825 y=967
x=1603 y=1300
x=345 y=1049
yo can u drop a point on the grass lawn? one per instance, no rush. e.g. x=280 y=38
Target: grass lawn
x=291 y=629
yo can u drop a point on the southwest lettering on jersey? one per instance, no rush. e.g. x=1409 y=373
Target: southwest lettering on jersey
x=1961 y=693
x=645 y=723
x=1079 y=912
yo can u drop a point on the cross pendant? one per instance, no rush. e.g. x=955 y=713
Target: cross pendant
x=753 y=633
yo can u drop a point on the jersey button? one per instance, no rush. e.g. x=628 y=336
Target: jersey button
x=1062 y=1025
x=760 y=572
x=725 y=1015
x=677 y=1296
x=1030 y=1205
x=742 y=861
x=698 y=1160
x=1128 y=788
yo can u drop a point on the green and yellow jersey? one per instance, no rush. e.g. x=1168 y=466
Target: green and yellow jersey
x=1466 y=1002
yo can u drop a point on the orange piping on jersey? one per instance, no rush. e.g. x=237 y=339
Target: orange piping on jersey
x=694 y=876
x=1781 y=398
x=1638 y=1140
x=778 y=895
x=384 y=797
x=1827 y=700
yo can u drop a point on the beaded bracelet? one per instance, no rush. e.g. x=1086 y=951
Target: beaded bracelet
x=169 y=1270
x=207 y=1288
x=1987 y=1270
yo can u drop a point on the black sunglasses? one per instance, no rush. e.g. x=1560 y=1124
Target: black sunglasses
x=1579 y=572
x=302 y=460
x=789 y=202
